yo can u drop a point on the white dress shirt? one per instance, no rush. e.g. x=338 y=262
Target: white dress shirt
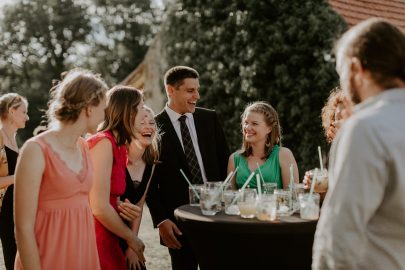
x=362 y=223
x=174 y=117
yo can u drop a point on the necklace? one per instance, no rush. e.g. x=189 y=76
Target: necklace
x=13 y=143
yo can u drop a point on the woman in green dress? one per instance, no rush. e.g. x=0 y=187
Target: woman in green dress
x=261 y=148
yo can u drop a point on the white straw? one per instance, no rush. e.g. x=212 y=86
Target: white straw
x=320 y=158
x=260 y=171
x=259 y=186
x=243 y=187
x=229 y=177
x=314 y=177
x=190 y=185
x=291 y=183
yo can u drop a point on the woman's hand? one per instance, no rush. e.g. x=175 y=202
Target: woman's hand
x=307 y=180
x=137 y=246
x=133 y=261
x=128 y=210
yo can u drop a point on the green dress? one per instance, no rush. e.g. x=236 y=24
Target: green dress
x=270 y=169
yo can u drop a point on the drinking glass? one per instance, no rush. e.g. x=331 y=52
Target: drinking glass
x=229 y=196
x=283 y=198
x=268 y=188
x=209 y=200
x=266 y=207
x=194 y=200
x=247 y=202
x=321 y=185
x=309 y=206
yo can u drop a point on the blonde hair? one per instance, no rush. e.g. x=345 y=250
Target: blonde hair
x=271 y=120
x=152 y=152
x=10 y=101
x=78 y=89
x=335 y=98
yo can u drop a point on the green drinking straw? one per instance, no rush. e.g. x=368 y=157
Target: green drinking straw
x=243 y=187
x=189 y=183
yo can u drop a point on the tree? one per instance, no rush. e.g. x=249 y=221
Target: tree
x=127 y=28
x=271 y=50
x=36 y=39
x=40 y=39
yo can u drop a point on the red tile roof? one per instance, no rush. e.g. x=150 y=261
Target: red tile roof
x=354 y=11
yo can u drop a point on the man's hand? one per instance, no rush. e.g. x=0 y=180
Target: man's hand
x=168 y=231
x=128 y=210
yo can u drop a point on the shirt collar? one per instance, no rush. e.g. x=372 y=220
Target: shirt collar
x=386 y=95
x=174 y=116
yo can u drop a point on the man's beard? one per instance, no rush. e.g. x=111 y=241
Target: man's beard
x=353 y=91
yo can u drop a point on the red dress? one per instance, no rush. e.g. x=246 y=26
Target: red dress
x=109 y=251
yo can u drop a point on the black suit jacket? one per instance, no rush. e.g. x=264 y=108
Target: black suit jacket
x=169 y=189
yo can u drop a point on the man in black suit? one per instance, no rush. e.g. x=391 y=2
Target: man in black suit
x=192 y=140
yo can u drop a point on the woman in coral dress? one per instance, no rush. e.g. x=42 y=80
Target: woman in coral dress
x=54 y=222
x=109 y=155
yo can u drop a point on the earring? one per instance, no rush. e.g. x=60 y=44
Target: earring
x=268 y=142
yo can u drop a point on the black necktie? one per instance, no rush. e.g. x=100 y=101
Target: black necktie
x=189 y=151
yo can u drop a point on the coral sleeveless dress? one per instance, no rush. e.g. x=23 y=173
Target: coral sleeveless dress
x=108 y=244
x=64 y=225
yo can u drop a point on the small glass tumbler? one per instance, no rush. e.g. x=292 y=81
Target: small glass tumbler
x=194 y=194
x=267 y=207
x=283 y=197
x=229 y=196
x=209 y=200
x=268 y=188
x=309 y=206
x=321 y=185
x=247 y=202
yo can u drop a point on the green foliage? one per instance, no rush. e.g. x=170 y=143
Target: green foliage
x=40 y=39
x=271 y=50
x=36 y=38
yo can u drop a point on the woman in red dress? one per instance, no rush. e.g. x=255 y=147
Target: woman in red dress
x=109 y=155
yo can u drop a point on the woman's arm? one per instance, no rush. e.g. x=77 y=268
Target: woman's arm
x=102 y=157
x=28 y=177
x=286 y=158
x=231 y=167
x=6 y=181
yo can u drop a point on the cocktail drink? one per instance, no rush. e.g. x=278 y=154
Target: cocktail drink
x=283 y=198
x=268 y=188
x=266 y=207
x=193 y=191
x=309 y=206
x=321 y=185
x=209 y=200
x=247 y=202
x=216 y=185
x=298 y=189
x=229 y=196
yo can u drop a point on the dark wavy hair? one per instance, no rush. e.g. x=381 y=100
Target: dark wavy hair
x=122 y=103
